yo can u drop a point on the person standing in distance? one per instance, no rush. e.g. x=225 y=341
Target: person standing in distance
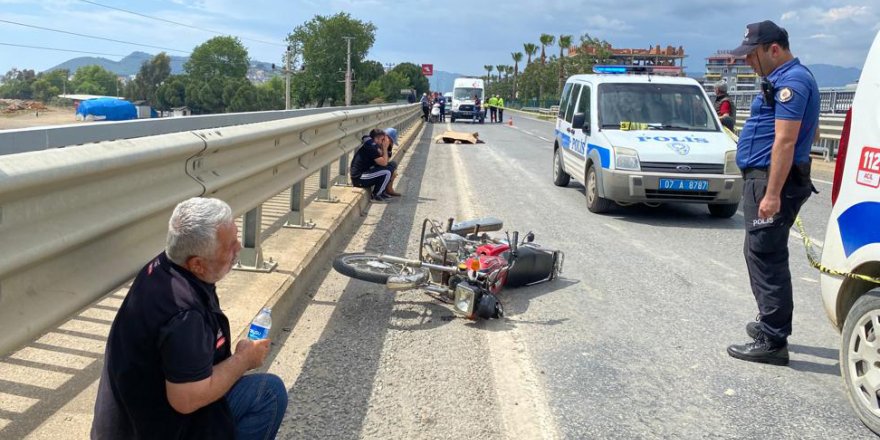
x=773 y=153
x=169 y=371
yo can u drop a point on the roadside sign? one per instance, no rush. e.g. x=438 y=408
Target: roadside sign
x=427 y=69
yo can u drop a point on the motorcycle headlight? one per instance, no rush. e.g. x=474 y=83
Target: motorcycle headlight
x=730 y=163
x=465 y=299
x=626 y=159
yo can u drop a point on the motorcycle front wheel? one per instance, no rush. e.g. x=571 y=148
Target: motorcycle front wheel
x=368 y=267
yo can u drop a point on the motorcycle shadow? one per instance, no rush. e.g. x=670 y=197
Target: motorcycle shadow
x=516 y=302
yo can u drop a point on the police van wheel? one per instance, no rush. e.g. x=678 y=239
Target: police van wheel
x=595 y=203
x=859 y=359
x=560 y=177
x=723 y=211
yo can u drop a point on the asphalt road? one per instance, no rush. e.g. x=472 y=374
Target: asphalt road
x=630 y=343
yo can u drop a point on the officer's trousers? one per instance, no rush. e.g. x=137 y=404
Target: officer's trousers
x=766 y=252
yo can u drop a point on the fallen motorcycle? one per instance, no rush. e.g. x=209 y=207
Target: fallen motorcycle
x=462 y=264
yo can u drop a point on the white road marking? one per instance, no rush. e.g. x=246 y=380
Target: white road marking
x=525 y=410
x=822 y=181
x=810 y=280
x=613 y=227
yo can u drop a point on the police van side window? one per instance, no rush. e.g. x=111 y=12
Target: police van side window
x=569 y=114
x=584 y=104
x=563 y=100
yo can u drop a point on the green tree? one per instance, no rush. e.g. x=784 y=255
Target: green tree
x=16 y=84
x=364 y=75
x=150 y=76
x=488 y=68
x=324 y=53
x=387 y=88
x=172 y=93
x=530 y=49
x=218 y=57
x=546 y=40
x=564 y=45
x=270 y=94
x=95 y=80
x=413 y=74
x=49 y=84
x=517 y=58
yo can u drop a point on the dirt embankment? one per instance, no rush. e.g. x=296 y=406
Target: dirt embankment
x=16 y=113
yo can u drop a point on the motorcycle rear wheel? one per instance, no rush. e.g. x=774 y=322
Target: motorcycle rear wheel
x=368 y=267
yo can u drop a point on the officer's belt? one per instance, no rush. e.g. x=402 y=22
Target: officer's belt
x=755 y=173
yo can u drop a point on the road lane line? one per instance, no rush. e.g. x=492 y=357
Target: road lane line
x=525 y=411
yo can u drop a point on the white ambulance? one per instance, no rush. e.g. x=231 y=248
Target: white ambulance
x=644 y=138
x=852 y=245
x=462 y=105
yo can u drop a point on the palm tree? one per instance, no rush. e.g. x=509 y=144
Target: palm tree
x=517 y=57
x=564 y=44
x=500 y=68
x=546 y=40
x=488 y=68
x=530 y=49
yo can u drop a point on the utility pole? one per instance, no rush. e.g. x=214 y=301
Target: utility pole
x=287 y=81
x=348 y=73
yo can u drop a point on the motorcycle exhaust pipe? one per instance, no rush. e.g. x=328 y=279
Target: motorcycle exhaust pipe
x=417 y=263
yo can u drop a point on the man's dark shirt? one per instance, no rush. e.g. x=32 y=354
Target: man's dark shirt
x=365 y=157
x=170 y=327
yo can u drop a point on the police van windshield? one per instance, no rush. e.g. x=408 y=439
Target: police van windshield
x=655 y=106
x=464 y=93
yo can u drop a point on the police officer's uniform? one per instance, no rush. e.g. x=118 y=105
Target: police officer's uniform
x=796 y=97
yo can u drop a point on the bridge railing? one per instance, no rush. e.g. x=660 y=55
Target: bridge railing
x=76 y=223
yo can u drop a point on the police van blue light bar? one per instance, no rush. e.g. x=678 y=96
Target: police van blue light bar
x=610 y=69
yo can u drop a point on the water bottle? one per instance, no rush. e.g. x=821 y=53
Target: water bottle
x=260 y=325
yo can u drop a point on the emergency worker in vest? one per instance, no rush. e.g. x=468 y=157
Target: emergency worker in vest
x=724 y=106
x=169 y=371
x=493 y=112
x=773 y=153
x=499 y=102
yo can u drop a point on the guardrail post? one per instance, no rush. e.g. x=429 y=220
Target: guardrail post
x=833 y=102
x=324 y=188
x=296 y=216
x=250 y=258
x=342 y=179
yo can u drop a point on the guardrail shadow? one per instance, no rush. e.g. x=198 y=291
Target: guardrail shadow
x=38 y=380
x=341 y=367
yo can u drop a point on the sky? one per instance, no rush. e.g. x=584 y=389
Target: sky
x=453 y=35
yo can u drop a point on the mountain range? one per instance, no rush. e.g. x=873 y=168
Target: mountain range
x=826 y=75
x=131 y=64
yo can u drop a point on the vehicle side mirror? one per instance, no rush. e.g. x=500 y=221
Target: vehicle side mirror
x=580 y=121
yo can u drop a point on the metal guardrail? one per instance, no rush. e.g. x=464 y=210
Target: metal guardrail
x=830 y=129
x=830 y=101
x=78 y=222
x=35 y=139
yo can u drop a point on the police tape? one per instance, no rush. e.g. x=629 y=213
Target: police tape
x=808 y=247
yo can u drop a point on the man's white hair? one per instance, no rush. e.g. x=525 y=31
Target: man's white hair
x=192 y=229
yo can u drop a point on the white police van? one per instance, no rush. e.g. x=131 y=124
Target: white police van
x=644 y=139
x=852 y=244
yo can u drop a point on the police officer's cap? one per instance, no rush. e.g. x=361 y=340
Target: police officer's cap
x=764 y=32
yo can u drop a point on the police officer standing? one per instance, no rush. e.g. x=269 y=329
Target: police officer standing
x=773 y=153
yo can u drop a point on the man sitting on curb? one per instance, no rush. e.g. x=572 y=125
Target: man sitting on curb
x=370 y=166
x=169 y=371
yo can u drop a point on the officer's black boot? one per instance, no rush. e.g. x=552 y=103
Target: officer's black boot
x=762 y=350
x=752 y=329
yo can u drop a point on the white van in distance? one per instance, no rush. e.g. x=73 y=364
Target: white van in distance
x=852 y=245
x=462 y=104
